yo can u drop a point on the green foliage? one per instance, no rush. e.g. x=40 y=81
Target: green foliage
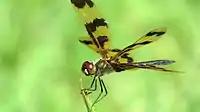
x=40 y=56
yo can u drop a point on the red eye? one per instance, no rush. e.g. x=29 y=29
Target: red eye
x=87 y=68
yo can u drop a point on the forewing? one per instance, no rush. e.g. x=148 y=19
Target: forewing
x=125 y=58
x=95 y=24
x=88 y=42
x=144 y=40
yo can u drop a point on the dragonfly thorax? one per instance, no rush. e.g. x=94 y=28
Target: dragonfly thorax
x=103 y=67
x=88 y=68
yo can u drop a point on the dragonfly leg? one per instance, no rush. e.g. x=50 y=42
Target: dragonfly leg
x=102 y=86
x=106 y=92
x=90 y=89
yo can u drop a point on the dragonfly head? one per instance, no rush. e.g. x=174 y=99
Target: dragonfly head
x=88 y=68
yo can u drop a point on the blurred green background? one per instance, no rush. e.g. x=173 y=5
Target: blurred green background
x=40 y=56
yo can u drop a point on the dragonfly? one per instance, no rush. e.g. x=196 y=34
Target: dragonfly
x=111 y=59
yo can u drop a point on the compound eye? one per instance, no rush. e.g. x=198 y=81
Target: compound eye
x=86 y=72
x=88 y=68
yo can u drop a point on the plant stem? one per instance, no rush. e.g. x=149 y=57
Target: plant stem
x=86 y=99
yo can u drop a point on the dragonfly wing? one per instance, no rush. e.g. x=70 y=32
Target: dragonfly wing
x=155 y=62
x=144 y=40
x=151 y=65
x=125 y=58
x=95 y=24
x=88 y=42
